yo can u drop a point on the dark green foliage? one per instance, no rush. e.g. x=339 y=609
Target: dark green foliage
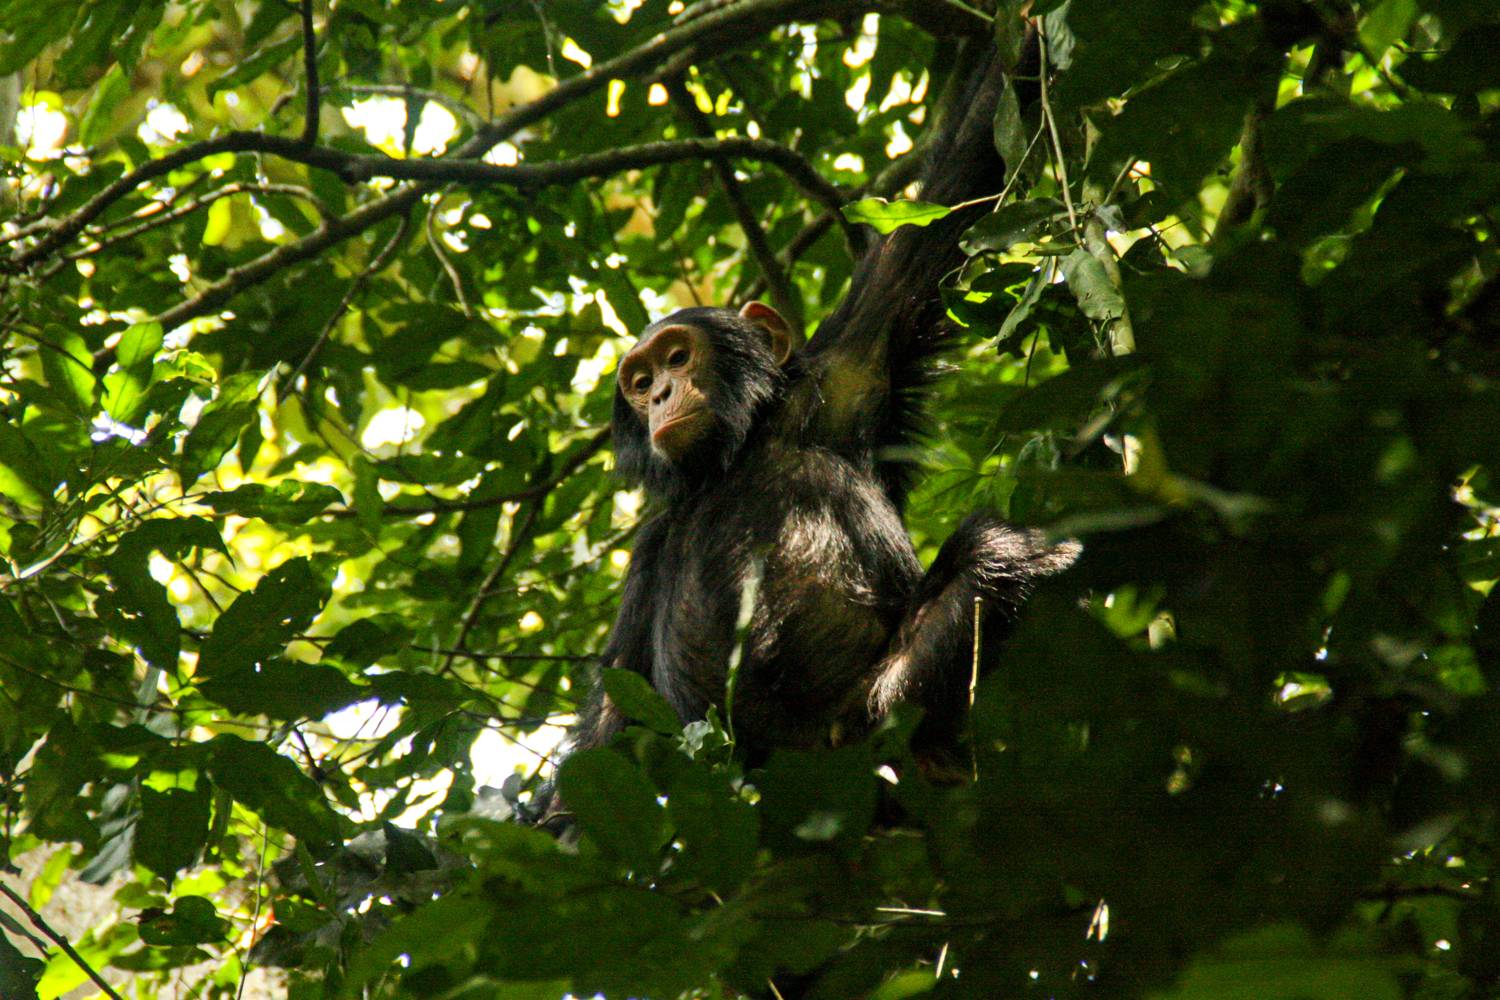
x=276 y=443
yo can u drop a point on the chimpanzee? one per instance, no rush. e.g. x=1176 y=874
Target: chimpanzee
x=764 y=457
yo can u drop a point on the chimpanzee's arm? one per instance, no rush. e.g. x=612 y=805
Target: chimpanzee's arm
x=931 y=658
x=873 y=356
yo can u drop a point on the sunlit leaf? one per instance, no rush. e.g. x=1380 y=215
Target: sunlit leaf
x=888 y=216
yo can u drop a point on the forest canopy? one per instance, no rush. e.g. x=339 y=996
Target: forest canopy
x=309 y=316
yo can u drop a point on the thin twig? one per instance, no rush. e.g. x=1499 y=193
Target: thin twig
x=53 y=346
x=62 y=942
x=217 y=295
x=739 y=19
x=742 y=20
x=974 y=669
x=1114 y=189
x=435 y=242
x=234 y=142
x=518 y=538
x=158 y=203
x=83 y=692
x=1060 y=164
x=260 y=879
x=157 y=219
x=193 y=573
x=470 y=654
x=897 y=174
x=530 y=176
x=310 y=64
x=374 y=267
x=535 y=491
x=755 y=235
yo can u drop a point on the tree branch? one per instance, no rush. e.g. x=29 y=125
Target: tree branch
x=1251 y=187
x=355 y=167
x=739 y=19
x=893 y=178
x=218 y=294
x=650 y=154
x=156 y=220
x=782 y=293
x=457 y=108
x=234 y=142
x=62 y=942
x=941 y=17
x=470 y=654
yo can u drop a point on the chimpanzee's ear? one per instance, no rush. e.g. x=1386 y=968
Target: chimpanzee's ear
x=780 y=337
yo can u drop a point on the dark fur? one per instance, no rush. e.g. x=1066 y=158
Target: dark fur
x=804 y=480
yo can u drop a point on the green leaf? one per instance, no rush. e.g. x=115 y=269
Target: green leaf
x=1023 y=308
x=24 y=476
x=150 y=618
x=719 y=830
x=405 y=852
x=369 y=505
x=361 y=643
x=63 y=764
x=634 y=695
x=1387 y=24
x=287 y=503
x=888 y=216
x=1282 y=963
x=404 y=356
x=109 y=93
x=18 y=972
x=1331 y=184
x=259 y=624
x=193 y=920
x=434 y=931
x=1002 y=229
x=427 y=470
x=172 y=830
x=1119 y=46
x=616 y=805
x=1181 y=148
x=126 y=390
x=811 y=798
x=261 y=62
x=907 y=984
x=283 y=689
x=1064 y=401
x=219 y=425
x=479 y=524
x=1090 y=284
x=270 y=785
x=1467 y=68
x=68 y=365
x=1011 y=140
